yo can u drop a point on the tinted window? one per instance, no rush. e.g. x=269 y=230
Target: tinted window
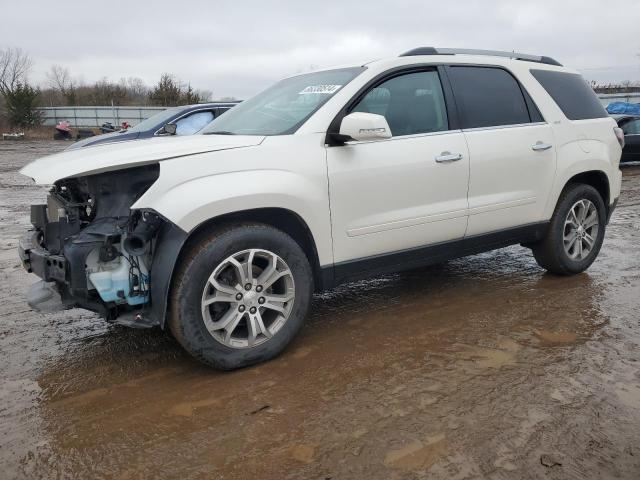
x=572 y=93
x=631 y=127
x=411 y=103
x=488 y=97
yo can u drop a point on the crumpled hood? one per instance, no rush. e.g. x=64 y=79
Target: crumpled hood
x=115 y=156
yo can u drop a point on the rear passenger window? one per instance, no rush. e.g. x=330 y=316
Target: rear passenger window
x=412 y=103
x=572 y=93
x=488 y=97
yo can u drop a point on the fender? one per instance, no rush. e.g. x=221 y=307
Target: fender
x=193 y=202
x=592 y=156
x=189 y=204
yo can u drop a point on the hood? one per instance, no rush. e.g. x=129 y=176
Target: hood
x=102 y=138
x=115 y=156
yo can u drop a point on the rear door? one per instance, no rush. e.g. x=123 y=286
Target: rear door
x=511 y=147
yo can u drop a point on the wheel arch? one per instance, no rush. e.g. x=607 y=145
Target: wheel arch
x=281 y=218
x=594 y=177
x=597 y=179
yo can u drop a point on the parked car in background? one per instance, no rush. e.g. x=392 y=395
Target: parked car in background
x=188 y=119
x=326 y=177
x=630 y=125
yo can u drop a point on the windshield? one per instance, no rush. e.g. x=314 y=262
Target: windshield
x=284 y=107
x=162 y=117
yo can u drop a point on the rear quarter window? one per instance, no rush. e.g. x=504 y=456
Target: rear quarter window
x=572 y=94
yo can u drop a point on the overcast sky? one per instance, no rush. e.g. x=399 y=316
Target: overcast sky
x=236 y=48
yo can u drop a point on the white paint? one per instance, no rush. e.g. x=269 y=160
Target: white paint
x=369 y=197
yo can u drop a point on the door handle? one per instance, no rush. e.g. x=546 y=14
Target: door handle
x=446 y=157
x=540 y=146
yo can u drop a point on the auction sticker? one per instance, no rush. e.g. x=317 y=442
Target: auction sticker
x=328 y=89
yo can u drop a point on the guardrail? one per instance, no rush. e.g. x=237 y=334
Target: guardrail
x=92 y=117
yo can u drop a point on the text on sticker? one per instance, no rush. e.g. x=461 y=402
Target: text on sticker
x=329 y=89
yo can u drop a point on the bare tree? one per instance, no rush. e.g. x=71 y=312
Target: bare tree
x=137 y=90
x=104 y=92
x=60 y=80
x=14 y=69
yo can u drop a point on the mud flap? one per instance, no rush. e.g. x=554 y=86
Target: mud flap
x=44 y=297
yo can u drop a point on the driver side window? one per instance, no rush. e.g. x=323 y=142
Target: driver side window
x=411 y=103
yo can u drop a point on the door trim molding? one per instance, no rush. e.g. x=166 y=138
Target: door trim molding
x=407 y=222
x=492 y=207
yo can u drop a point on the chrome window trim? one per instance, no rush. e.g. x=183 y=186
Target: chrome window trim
x=402 y=137
x=498 y=127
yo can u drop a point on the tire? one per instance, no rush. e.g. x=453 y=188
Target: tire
x=196 y=326
x=551 y=253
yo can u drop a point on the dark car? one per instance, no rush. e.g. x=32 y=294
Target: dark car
x=630 y=125
x=188 y=119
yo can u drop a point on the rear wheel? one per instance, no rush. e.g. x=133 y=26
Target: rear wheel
x=576 y=232
x=241 y=296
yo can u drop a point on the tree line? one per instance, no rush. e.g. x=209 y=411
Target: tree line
x=622 y=87
x=20 y=100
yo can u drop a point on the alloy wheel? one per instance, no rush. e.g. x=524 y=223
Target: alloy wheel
x=248 y=298
x=581 y=229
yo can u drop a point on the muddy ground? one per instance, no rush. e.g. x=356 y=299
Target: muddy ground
x=483 y=367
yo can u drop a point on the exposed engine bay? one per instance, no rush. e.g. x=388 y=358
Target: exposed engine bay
x=90 y=247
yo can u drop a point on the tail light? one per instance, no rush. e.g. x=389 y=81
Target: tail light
x=619 y=135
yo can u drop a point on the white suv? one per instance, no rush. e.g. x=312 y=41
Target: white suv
x=323 y=178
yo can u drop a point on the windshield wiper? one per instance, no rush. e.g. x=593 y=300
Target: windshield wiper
x=219 y=132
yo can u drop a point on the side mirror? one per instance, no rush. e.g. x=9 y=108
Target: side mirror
x=169 y=129
x=365 y=126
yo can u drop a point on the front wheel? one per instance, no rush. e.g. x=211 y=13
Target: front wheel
x=241 y=296
x=576 y=232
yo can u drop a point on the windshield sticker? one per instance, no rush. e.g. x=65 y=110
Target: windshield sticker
x=328 y=89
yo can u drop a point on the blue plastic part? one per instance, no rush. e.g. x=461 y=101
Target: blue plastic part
x=113 y=285
x=623 y=108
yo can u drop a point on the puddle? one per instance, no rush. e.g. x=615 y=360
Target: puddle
x=441 y=370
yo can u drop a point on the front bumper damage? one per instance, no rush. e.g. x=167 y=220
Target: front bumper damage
x=91 y=251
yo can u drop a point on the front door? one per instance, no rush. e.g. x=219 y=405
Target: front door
x=404 y=192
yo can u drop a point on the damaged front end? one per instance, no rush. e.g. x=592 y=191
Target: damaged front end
x=92 y=251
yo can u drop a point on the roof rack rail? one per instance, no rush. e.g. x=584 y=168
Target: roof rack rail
x=473 y=51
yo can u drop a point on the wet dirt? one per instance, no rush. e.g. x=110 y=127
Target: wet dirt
x=484 y=367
